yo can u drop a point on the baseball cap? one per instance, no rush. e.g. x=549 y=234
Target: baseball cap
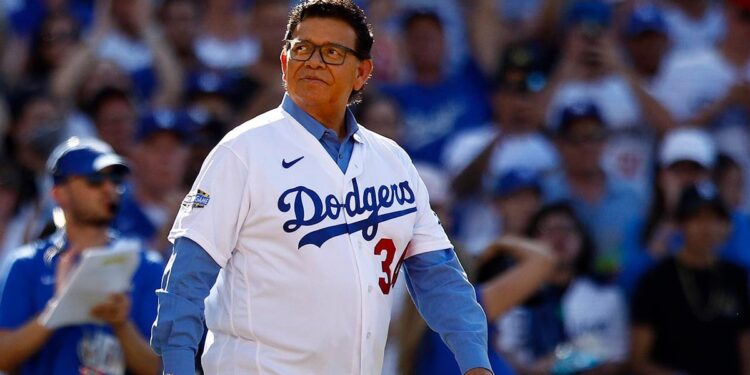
x=646 y=17
x=179 y=123
x=515 y=180
x=688 y=145
x=82 y=157
x=594 y=12
x=696 y=197
x=521 y=69
x=577 y=111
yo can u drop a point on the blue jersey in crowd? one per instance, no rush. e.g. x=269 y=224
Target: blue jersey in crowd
x=28 y=285
x=432 y=114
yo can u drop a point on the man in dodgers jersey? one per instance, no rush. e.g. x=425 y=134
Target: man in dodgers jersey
x=298 y=224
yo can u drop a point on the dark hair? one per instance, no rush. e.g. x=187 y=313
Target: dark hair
x=343 y=10
x=105 y=95
x=724 y=163
x=37 y=66
x=584 y=265
x=415 y=15
x=162 y=10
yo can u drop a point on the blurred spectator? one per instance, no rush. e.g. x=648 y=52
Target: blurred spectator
x=159 y=158
x=381 y=115
x=729 y=179
x=260 y=88
x=513 y=138
x=178 y=21
x=602 y=202
x=513 y=199
x=694 y=23
x=37 y=127
x=435 y=104
x=646 y=42
x=57 y=37
x=686 y=157
x=218 y=94
x=691 y=312
x=576 y=323
x=115 y=119
x=224 y=42
x=114 y=340
x=499 y=289
x=717 y=95
x=591 y=70
x=383 y=15
x=130 y=39
x=125 y=34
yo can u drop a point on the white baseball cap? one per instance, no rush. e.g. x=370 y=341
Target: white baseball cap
x=688 y=144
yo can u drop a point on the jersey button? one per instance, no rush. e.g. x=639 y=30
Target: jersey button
x=369 y=288
x=368 y=335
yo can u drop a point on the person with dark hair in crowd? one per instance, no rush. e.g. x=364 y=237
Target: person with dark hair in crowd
x=686 y=157
x=311 y=231
x=86 y=175
x=729 y=178
x=57 y=38
x=603 y=202
x=691 y=311
x=115 y=118
x=513 y=141
x=37 y=126
x=646 y=41
x=159 y=157
x=578 y=321
x=435 y=103
x=178 y=20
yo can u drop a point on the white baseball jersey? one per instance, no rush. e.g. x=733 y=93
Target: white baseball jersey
x=308 y=252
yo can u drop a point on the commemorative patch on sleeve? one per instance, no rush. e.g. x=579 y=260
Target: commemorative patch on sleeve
x=198 y=199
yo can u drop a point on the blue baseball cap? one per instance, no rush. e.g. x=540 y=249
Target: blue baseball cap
x=179 y=123
x=515 y=180
x=576 y=111
x=590 y=12
x=82 y=157
x=646 y=17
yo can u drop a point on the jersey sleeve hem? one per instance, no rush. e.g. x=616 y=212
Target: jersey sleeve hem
x=218 y=257
x=427 y=247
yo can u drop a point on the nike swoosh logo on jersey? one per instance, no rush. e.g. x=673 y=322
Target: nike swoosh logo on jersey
x=291 y=163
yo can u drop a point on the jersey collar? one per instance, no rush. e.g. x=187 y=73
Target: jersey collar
x=314 y=127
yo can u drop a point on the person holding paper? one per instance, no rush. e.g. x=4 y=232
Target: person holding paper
x=87 y=177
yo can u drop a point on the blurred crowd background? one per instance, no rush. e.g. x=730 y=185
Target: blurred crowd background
x=572 y=121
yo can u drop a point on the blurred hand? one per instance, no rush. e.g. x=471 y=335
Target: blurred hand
x=115 y=311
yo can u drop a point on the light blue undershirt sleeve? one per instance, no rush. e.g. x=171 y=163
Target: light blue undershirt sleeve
x=178 y=329
x=447 y=302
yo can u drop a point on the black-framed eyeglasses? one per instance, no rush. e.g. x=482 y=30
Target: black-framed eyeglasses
x=331 y=53
x=98 y=178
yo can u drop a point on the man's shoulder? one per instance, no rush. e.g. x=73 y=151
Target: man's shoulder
x=257 y=127
x=384 y=145
x=28 y=255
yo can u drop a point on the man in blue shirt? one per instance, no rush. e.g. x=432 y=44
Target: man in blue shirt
x=299 y=222
x=86 y=176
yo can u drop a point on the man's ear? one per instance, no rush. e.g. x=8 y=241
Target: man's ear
x=58 y=195
x=364 y=71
